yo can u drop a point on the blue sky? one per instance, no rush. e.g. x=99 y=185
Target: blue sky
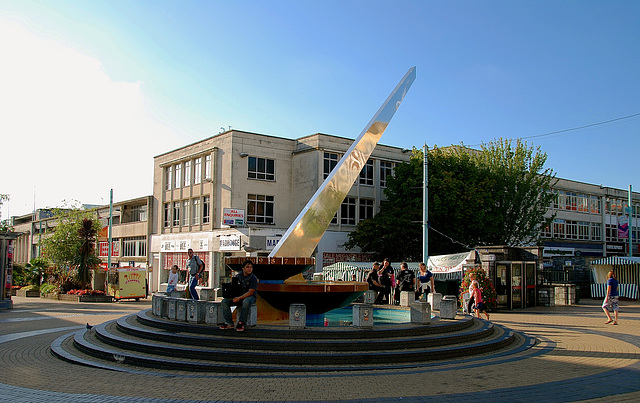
x=90 y=91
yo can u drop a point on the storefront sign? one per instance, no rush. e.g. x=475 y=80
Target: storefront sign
x=231 y=242
x=232 y=216
x=167 y=246
x=272 y=241
x=183 y=245
x=558 y=251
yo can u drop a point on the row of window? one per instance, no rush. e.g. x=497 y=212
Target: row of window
x=187 y=173
x=366 y=174
x=579 y=230
x=580 y=202
x=573 y=201
x=187 y=212
x=131 y=247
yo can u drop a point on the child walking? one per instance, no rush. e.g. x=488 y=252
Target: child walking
x=479 y=305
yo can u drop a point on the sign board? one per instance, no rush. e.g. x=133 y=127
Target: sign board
x=272 y=241
x=231 y=242
x=233 y=216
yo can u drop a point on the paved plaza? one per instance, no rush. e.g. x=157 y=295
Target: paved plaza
x=577 y=358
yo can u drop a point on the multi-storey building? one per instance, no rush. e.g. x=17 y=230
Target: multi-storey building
x=130 y=233
x=203 y=189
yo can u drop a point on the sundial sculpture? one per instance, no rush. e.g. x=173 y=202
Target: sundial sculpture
x=281 y=282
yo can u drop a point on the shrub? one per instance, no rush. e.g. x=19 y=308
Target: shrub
x=48 y=288
x=489 y=294
x=30 y=288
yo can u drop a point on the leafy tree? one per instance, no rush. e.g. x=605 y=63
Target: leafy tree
x=68 y=245
x=497 y=195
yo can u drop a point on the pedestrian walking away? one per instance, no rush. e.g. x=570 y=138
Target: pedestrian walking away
x=610 y=302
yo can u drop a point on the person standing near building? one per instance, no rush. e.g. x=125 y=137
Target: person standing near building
x=195 y=267
x=425 y=281
x=390 y=273
x=479 y=305
x=611 y=298
x=249 y=284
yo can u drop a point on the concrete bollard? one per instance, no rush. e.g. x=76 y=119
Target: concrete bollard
x=434 y=299
x=448 y=307
x=181 y=309
x=213 y=314
x=297 y=316
x=407 y=298
x=363 y=315
x=207 y=294
x=196 y=311
x=369 y=297
x=159 y=305
x=171 y=308
x=420 y=313
x=252 y=318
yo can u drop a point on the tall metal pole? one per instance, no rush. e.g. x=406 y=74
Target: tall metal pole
x=630 y=224
x=425 y=206
x=110 y=225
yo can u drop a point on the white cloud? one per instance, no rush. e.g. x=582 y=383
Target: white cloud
x=68 y=130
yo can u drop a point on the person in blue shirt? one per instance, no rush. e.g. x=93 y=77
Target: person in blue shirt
x=425 y=281
x=611 y=298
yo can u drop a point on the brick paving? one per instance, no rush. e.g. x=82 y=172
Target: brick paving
x=577 y=358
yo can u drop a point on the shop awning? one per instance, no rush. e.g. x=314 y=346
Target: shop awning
x=616 y=260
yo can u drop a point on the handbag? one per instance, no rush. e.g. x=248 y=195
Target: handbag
x=232 y=289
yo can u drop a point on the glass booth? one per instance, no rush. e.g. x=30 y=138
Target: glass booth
x=516 y=284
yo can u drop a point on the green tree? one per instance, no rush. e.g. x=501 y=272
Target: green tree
x=35 y=270
x=475 y=198
x=65 y=246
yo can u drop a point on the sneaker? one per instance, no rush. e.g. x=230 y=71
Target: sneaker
x=226 y=326
x=240 y=327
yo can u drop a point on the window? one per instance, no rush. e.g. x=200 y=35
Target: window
x=571 y=229
x=134 y=246
x=348 y=211
x=185 y=212
x=260 y=209
x=386 y=170
x=366 y=209
x=366 y=174
x=167 y=214
x=137 y=213
x=583 y=230
x=330 y=162
x=167 y=178
x=558 y=228
x=207 y=166
x=262 y=168
x=571 y=201
x=176 y=173
x=583 y=203
x=595 y=205
x=195 y=212
x=197 y=171
x=206 y=209
x=546 y=232
x=176 y=214
x=187 y=173
x=596 y=232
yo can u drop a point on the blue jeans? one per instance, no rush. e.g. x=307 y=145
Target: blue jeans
x=244 y=305
x=193 y=282
x=170 y=288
